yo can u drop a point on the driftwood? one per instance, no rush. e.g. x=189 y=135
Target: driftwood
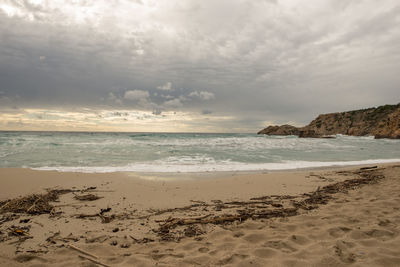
x=87 y=197
x=56 y=237
x=5 y=205
x=104 y=219
x=91 y=188
x=142 y=241
x=53 y=238
x=94 y=261
x=82 y=251
x=368 y=168
x=82 y=215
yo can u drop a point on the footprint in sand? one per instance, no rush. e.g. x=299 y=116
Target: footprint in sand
x=357 y=235
x=384 y=223
x=234 y=258
x=388 y=261
x=338 y=231
x=342 y=250
x=380 y=234
x=299 y=239
x=280 y=245
x=26 y=258
x=204 y=249
x=264 y=252
x=255 y=238
x=238 y=234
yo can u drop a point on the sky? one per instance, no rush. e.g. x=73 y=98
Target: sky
x=193 y=66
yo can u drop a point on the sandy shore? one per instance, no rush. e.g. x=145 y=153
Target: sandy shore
x=238 y=219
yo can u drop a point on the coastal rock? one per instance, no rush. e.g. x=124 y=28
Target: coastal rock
x=381 y=122
x=389 y=128
x=308 y=134
x=280 y=130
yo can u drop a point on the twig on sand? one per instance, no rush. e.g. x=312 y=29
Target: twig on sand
x=87 y=197
x=82 y=215
x=38 y=223
x=5 y=205
x=82 y=251
x=368 y=168
x=104 y=219
x=33 y=205
x=94 y=261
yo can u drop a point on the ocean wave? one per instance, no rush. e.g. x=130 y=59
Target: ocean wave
x=213 y=167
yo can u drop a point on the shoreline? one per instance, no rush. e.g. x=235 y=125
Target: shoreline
x=20 y=181
x=133 y=231
x=188 y=169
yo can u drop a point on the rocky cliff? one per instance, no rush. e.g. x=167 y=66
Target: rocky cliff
x=381 y=122
x=280 y=130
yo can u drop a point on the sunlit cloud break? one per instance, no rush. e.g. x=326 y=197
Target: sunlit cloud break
x=110 y=120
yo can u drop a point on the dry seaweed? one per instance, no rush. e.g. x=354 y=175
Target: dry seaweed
x=193 y=230
x=187 y=221
x=33 y=204
x=142 y=241
x=8 y=217
x=264 y=207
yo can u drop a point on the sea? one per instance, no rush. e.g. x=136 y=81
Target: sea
x=92 y=152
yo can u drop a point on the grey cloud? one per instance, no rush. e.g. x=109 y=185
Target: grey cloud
x=166 y=87
x=136 y=95
x=174 y=103
x=204 y=95
x=167 y=96
x=264 y=61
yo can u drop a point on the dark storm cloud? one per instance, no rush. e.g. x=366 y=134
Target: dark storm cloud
x=258 y=61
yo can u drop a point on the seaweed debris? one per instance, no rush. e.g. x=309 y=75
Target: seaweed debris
x=34 y=203
x=266 y=207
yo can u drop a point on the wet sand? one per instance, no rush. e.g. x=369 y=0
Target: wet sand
x=214 y=219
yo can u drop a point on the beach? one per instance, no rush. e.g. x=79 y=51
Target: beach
x=199 y=133
x=315 y=217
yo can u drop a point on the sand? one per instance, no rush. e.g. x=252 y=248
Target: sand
x=149 y=223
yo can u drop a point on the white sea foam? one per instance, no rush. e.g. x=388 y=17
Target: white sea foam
x=215 y=167
x=111 y=152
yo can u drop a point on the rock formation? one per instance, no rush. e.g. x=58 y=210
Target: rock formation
x=381 y=122
x=280 y=130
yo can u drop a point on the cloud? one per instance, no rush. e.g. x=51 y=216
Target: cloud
x=157 y=112
x=136 y=95
x=206 y=112
x=167 y=96
x=204 y=95
x=166 y=87
x=277 y=61
x=174 y=103
x=113 y=98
